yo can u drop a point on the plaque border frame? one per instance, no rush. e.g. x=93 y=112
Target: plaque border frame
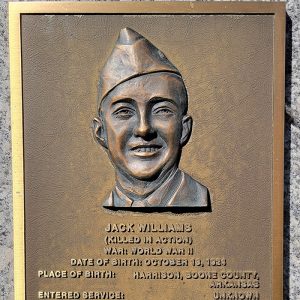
x=17 y=9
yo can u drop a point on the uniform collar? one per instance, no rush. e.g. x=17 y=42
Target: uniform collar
x=160 y=197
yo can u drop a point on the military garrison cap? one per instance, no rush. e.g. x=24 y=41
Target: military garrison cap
x=132 y=56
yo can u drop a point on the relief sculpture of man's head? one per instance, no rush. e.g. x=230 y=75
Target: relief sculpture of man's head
x=143 y=123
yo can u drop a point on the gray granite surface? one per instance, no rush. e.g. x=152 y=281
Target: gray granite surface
x=292 y=159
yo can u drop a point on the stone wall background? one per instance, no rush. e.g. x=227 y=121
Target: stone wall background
x=292 y=158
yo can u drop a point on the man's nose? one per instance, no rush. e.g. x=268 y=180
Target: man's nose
x=144 y=126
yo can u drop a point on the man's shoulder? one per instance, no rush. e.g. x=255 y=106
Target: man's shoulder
x=109 y=201
x=190 y=193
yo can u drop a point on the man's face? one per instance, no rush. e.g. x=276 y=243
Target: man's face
x=144 y=124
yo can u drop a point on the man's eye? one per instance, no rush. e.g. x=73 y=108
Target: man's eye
x=163 y=111
x=124 y=113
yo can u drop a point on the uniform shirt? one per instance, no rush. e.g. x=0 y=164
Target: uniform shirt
x=180 y=190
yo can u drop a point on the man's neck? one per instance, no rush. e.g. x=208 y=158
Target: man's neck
x=138 y=190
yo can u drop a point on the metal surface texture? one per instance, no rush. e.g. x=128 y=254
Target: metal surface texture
x=228 y=61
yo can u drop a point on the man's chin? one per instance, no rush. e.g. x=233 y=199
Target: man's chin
x=146 y=170
x=148 y=173
x=145 y=174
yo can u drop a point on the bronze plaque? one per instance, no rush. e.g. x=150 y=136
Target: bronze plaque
x=147 y=150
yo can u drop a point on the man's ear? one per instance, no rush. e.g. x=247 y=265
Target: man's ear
x=99 y=132
x=187 y=124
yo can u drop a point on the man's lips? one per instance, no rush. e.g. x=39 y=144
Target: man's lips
x=145 y=150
